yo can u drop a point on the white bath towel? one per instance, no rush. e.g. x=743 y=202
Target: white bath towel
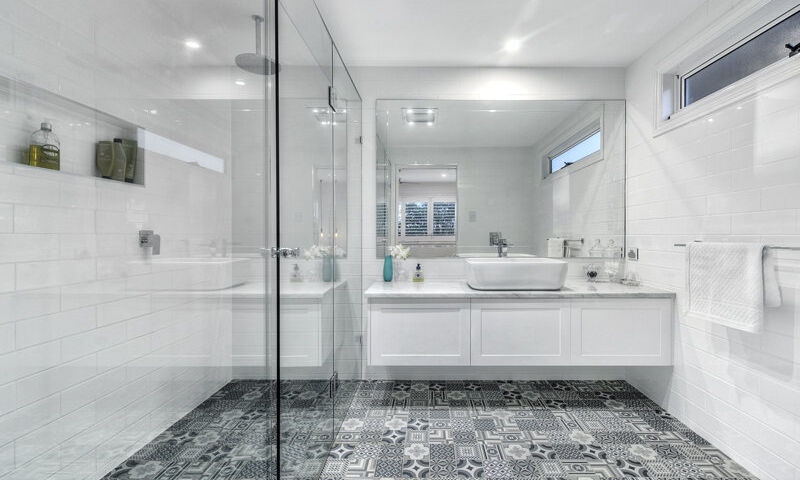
x=730 y=284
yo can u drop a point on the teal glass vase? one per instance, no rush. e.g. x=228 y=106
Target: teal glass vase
x=327 y=268
x=387 y=269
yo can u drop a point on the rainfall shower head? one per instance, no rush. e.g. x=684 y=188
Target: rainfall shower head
x=257 y=63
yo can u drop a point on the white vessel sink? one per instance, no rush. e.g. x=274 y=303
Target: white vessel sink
x=516 y=273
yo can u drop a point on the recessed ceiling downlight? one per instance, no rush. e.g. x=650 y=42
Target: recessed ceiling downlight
x=192 y=44
x=512 y=45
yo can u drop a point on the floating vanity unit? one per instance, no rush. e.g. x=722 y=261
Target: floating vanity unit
x=448 y=323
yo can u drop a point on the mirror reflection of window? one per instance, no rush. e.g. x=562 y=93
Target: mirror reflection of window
x=426 y=208
x=532 y=170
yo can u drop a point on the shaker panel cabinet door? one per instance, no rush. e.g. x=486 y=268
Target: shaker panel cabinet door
x=512 y=332
x=622 y=332
x=419 y=333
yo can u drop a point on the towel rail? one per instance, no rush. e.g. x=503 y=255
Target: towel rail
x=771 y=247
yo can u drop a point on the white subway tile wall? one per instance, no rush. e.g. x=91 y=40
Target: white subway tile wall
x=102 y=347
x=733 y=176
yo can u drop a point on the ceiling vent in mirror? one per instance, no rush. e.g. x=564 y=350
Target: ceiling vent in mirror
x=324 y=117
x=425 y=116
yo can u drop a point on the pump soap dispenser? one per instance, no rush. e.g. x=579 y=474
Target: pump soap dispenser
x=418 y=275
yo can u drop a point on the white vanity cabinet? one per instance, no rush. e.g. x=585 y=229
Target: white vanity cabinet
x=622 y=332
x=617 y=326
x=520 y=332
x=419 y=332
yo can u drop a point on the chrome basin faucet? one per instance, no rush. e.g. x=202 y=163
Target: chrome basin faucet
x=502 y=247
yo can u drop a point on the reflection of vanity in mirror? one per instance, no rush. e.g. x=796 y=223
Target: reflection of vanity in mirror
x=517 y=178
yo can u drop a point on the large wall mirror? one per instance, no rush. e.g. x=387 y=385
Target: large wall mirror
x=454 y=176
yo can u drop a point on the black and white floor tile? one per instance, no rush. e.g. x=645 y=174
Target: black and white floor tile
x=572 y=430
x=230 y=436
x=576 y=430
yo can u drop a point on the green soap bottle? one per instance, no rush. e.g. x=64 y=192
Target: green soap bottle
x=118 y=160
x=45 y=149
x=104 y=158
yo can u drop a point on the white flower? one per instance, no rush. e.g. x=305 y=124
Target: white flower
x=395 y=424
x=417 y=451
x=315 y=251
x=399 y=251
x=643 y=452
x=581 y=437
x=352 y=424
x=517 y=452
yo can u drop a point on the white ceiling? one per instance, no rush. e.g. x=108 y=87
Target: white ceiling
x=474 y=123
x=473 y=32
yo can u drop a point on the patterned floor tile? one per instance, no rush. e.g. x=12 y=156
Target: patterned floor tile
x=516 y=430
x=455 y=430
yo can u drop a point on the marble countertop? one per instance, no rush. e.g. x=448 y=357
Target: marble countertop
x=299 y=290
x=455 y=289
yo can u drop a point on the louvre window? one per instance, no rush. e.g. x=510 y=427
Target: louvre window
x=444 y=219
x=381 y=225
x=416 y=219
x=427 y=220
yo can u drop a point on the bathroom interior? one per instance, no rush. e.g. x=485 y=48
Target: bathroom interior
x=343 y=239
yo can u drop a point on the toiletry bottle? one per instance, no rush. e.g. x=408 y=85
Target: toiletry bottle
x=104 y=158
x=119 y=162
x=418 y=275
x=596 y=250
x=131 y=151
x=611 y=250
x=45 y=149
x=296 y=277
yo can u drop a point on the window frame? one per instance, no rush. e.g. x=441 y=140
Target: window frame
x=572 y=143
x=590 y=123
x=742 y=23
x=681 y=78
x=430 y=238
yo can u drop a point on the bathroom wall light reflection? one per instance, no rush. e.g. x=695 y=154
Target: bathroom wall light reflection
x=170 y=148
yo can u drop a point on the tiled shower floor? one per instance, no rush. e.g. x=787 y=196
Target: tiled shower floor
x=573 y=430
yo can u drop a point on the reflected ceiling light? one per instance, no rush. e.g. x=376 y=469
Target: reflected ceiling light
x=444 y=175
x=512 y=45
x=492 y=111
x=240 y=83
x=192 y=44
x=427 y=116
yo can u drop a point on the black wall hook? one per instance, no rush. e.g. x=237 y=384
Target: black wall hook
x=795 y=49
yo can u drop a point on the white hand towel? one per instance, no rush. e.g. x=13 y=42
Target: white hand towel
x=725 y=284
x=555 y=247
